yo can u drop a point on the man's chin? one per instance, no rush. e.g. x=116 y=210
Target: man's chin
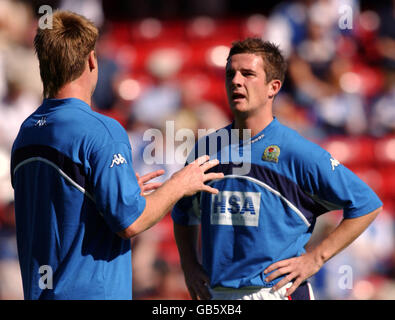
x=239 y=107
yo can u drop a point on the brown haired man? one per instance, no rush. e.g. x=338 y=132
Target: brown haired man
x=77 y=199
x=255 y=229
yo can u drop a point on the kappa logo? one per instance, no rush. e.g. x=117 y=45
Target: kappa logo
x=334 y=163
x=41 y=122
x=117 y=160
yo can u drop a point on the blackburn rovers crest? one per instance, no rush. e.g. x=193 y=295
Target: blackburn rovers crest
x=271 y=154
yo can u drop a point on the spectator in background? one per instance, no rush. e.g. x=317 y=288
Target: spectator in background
x=295 y=116
x=330 y=89
x=386 y=34
x=16 y=106
x=342 y=110
x=104 y=96
x=383 y=107
x=383 y=110
x=163 y=94
x=196 y=112
x=286 y=25
x=10 y=277
x=18 y=61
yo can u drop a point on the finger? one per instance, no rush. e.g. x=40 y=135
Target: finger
x=199 y=161
x=209 y=164
x=278 y=273
x=202 y=291
x=288 y=278
x=210 y=190
x=149 y=176
x=197 y=290
x=277 y=265
x=192 y=293
x=151 y=186
x=213 y=176
x=205 y=295
x=294 y=286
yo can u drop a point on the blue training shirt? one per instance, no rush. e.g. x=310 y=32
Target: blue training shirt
x=266 y=212
x=74 y=189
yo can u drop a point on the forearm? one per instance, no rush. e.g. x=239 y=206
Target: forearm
x=158 y=204
x=196 y=278
x=298 y=269
x=187 y=240
x=343 y=235
x=185 y=182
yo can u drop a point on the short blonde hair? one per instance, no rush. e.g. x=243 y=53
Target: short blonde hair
x=63 y=50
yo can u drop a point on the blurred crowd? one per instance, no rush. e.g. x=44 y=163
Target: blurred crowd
x=339 y=92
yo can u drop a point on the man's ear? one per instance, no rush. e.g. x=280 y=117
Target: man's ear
x=92 y=60
x=274 y=88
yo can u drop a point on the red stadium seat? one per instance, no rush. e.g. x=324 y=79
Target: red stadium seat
x=253 y=26
x=373 y=177
x=381 y=180
x=384 y=150
x=389 y=206
x=155 y=30
x=207 y=29
x=388 y=189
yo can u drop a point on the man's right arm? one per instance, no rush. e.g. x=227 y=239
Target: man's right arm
x=186 y=182
x=196 y=278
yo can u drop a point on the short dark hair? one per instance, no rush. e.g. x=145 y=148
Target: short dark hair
x=274 y=63
x=63 y=50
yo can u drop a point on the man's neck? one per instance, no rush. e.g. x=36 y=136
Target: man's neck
x=255 y=122
x=74 y=90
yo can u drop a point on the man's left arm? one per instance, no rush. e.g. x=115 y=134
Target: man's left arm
x=300 y=268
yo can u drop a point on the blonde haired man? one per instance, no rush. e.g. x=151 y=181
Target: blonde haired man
x=77 y=199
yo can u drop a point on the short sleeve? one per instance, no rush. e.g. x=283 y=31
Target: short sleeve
x=336 y=187
x=187 y=211
x=115 y=186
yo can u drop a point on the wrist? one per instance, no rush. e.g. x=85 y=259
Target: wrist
x=319 y=257
x=175 y=187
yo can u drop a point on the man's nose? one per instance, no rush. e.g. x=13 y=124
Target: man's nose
x=237 y=79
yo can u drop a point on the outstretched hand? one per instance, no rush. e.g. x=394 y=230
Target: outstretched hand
x=192 y=178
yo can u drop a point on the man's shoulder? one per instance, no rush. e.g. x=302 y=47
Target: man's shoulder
x=298 y=146
x=71 y=123
x=99 y=124
x=97 y=120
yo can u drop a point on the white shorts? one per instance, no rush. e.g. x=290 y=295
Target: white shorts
x=303 y=292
